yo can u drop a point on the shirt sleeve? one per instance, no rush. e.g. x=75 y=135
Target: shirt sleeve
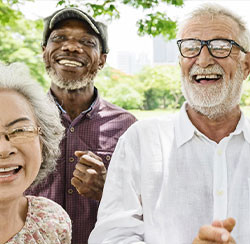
x=120 y=215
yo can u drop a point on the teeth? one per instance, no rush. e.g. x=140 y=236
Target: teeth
x=7 y=169
x=3 y=176
x=70 y=63
x=199 y=77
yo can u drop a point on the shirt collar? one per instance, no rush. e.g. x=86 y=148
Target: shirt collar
x=184 y=129
x=88 y=111
x=244 y=126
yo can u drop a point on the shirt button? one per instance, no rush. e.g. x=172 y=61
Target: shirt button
x=70 y=191
x=72 y=129
x=219 y=152
x=219 y=192
x=108 y=157
x=71 y=159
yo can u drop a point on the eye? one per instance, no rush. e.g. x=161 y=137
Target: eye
x=89 y=43
x=22 y=131
x=57 y=38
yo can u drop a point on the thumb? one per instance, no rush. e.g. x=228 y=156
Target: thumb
x=229 y=224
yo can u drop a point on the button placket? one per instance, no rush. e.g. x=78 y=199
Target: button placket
x=220 y=181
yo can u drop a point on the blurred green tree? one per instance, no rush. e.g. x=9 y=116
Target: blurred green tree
x=162 y=87
x=154 y=22
x=119 y=88
x=20 y=40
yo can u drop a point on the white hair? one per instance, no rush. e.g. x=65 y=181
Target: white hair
x=214 y=10
x=16 y=77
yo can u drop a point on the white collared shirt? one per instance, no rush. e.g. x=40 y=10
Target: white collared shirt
x=166 y=179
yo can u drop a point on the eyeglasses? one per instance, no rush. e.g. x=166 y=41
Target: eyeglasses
x=218 y=48
x=21 y=134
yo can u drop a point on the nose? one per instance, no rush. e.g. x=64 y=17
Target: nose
x=6 y=148
x=72 y=46
x=204 y=59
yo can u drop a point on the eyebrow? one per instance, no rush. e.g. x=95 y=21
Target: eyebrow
x=17 y=120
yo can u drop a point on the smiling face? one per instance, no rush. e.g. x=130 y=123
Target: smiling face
x=212 y=86
x=73 y=55
x=19 y=162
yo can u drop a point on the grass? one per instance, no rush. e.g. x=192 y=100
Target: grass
x=143 y=114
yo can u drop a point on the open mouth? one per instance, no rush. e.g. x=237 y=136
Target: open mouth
x=204 y=79
x=70 y=63
x=6 y=172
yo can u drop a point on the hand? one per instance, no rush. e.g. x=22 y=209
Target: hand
x=217 y=233
x=89 y=175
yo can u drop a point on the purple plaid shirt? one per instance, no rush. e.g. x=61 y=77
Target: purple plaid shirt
x=98 y=130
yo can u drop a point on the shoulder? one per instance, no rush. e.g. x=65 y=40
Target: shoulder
x=148 y=129
x=45 y=206
x=46 y=222
x=114 y=109
x=152 y=124
x=50 y=216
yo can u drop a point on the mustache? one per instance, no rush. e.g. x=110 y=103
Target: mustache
x=214 y=69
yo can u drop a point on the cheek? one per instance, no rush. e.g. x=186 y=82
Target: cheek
x=186 y=65
x=46 y=59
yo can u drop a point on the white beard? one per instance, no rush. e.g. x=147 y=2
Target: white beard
x=86 y=81
x=213 y=100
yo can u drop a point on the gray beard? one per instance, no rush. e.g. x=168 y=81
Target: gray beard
x=86 y=81
x=214 y=100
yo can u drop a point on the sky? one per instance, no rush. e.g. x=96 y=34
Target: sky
x=123 y=32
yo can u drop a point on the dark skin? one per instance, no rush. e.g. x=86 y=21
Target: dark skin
x=74 y=52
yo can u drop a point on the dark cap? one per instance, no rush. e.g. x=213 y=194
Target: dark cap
x=74 y=13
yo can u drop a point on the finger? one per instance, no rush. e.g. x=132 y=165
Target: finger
x=79 y=185
x=211 y=233
x=83 y=188
x=89 y=179
x=81 y=167
x=81 y=153
x=94 y=163
x=217 y=223
x=229 y=224
x=79 y=174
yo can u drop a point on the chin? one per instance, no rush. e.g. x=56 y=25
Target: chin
x=80 y=83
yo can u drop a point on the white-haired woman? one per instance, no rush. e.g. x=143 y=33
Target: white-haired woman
x=30 y=133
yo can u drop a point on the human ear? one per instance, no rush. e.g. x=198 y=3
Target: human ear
x=102 y=60
x=246 y=65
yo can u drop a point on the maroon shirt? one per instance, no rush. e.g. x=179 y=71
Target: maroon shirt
x=98 y=130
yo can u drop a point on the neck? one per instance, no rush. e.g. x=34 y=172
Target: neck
x=74 y=101
x=215 y=129
x=12 y=217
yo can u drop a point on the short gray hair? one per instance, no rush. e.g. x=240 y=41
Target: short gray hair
x=214 y=10
x=16 y=77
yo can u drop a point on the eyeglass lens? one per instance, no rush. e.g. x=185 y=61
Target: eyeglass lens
x=19 y=135
x=218 y=48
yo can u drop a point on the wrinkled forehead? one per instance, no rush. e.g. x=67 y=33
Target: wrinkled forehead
x=208 y=27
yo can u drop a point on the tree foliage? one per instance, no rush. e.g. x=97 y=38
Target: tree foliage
x=154 y=22
x=20 y=40
x=154 y=87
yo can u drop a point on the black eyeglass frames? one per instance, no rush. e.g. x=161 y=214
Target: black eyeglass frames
x=218 y=48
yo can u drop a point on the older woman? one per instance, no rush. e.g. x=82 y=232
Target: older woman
x=30 y=133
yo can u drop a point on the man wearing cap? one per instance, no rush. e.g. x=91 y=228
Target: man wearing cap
x=74 y=49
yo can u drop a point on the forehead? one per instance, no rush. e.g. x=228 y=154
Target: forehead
x=209 y=27
x=12 y=106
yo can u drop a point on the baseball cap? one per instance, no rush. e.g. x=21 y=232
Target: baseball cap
x=74 y=13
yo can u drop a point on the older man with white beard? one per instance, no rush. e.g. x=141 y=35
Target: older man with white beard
x=74 y=49
x=186 y=178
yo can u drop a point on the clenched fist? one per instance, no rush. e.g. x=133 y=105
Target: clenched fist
x=89 y=175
